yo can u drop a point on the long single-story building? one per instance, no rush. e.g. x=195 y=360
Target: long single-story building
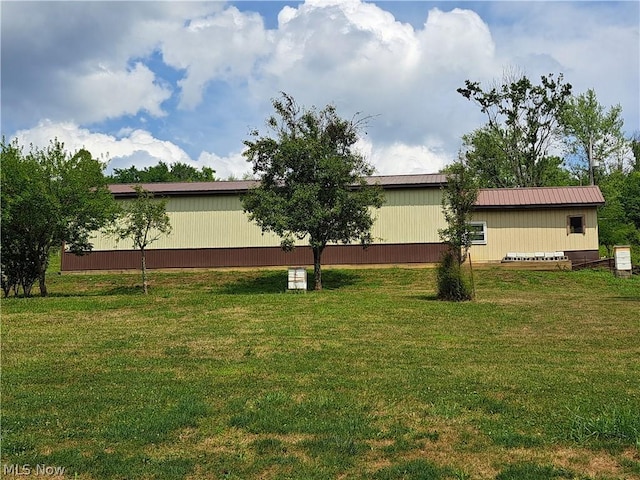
x=210 y=229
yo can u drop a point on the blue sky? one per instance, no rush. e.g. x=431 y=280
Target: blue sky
x=139 y=82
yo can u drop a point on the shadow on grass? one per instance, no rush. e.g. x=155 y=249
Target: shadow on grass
x=628 y=298
x=98 y=292
x=336 y=279
x=264 y=282
x=425 y=298
x=276 y=282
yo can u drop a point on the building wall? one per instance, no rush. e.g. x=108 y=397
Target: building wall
x=408 y=216
x=535 y=231
x=213 y=231
x=388 y=254
x=202 y=222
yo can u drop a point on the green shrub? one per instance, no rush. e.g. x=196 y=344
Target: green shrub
x=452 y=284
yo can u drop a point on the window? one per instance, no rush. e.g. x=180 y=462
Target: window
x=478 y=233
x=575 y=224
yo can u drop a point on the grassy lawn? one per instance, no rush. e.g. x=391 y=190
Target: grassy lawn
x=223 y=375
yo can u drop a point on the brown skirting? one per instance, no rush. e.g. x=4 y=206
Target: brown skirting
x=583 y=256
x=253 y=257
x=271 y=256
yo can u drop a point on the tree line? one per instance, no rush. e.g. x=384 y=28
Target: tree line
x=312 y=180
x=162 y=172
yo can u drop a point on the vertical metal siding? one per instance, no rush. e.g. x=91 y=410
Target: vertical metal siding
x=533 y=231
x=253 y=257
x=408 y=216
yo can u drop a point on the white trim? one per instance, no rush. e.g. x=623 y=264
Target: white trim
x=480 y=233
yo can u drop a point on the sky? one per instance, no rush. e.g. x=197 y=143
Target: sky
x=138 y=82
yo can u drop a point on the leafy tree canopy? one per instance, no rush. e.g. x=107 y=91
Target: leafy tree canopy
x=311 y=179
x=593 y=135
x=523 y=124
x=49 y=197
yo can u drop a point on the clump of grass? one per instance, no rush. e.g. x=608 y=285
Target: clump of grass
x=279 y=413
x=269 y=446
x=613 y=424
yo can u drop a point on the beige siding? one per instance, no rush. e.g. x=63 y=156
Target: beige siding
x=408 y=216
x=533 y=231
x=204 y=222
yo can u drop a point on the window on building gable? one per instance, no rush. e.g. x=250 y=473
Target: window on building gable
x=478 y=233
x=575 y=224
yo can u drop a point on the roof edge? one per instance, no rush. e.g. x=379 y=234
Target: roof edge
x=234 y=187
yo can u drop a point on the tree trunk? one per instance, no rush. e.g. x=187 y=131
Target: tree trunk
x=26 y=289
x=42 y=275
x=317 y=268
x=43 y=285
x=145 y=287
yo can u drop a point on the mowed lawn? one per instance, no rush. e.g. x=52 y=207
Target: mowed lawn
x=224 y=375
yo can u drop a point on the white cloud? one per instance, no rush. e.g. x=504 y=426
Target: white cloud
x=93 y=96
x=232 y=165
x=81 y=61
x=595 y=44
x=120 y=151
x=128 y=148
x=222 y=46
x=84 y=62
x=398 y=158
x=361 y=58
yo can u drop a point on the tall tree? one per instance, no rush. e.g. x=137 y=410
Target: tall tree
x=593 y=135
x=522 y=127
x=49 y=197
x=631 y=198
x=311 y=180
x=142 y=221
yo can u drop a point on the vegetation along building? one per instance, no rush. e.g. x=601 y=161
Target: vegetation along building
x=210 y=229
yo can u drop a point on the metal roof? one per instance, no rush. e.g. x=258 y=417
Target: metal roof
x=184 y=188
x=487 y=198
x=539 y=197
x=411 y=181
x=237 y=187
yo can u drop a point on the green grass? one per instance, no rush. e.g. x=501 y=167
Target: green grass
x=225 y=375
